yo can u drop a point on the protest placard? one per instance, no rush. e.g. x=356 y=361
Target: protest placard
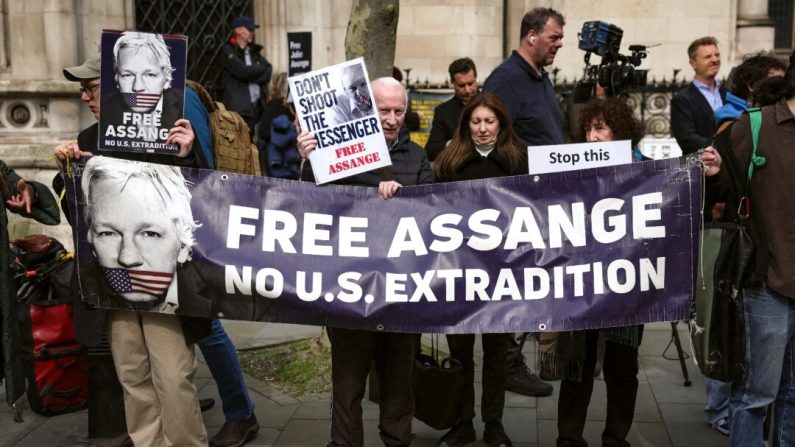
x=336 y=105
x=299 y=49
x=143 y=86
x=573 y=157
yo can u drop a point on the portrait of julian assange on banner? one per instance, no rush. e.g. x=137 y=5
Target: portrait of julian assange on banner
x=586 y=249
x=336 y=105
x=143 y=86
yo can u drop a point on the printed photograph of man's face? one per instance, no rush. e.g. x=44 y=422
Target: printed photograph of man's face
x=142 y=66
x=140 y=225
x=355 y=84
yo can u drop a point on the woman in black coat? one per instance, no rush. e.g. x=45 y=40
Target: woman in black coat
x=483 y=146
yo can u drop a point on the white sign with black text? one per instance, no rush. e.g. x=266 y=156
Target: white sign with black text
x=573 y=157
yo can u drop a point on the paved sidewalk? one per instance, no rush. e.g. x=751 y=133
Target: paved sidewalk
x=667 y=413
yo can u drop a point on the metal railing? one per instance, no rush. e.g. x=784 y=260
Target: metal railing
x=205 y=22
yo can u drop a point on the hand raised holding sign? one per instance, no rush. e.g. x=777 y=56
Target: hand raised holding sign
x=306 y=143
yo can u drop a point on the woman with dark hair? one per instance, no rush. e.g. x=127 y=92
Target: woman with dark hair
x=484 y=146
x=608 y=119
x=611 y=119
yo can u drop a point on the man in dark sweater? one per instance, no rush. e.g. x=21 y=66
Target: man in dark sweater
x=464 y=77
x=522 y=83
x=524 y=86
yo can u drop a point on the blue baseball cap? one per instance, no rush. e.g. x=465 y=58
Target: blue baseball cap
x=246 y=21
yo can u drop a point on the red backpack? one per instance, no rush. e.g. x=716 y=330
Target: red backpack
x=55 y=364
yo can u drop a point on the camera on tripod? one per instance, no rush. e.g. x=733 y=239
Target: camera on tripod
x=616 y=72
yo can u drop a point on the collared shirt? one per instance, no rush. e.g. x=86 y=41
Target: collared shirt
x=711 y=94
x=530 y=99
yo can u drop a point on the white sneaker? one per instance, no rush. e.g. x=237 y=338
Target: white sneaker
x=721 y=425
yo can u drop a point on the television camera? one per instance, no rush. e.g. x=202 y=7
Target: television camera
x=616 y=72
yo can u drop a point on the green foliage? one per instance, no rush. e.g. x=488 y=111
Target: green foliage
x=300 y=369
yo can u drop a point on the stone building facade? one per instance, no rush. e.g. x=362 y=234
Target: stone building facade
x=39 y=109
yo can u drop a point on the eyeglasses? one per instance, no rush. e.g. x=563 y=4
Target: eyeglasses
x=89 y=90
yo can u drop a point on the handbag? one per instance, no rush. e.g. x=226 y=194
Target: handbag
x=437 y=388
x=727 y=253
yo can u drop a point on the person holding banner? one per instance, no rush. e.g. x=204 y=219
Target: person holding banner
x=484 y=146
x=354 y=351
x=153 y=352
x=602 y=119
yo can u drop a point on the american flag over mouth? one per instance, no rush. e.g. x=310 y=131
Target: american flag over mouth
x=364 y=100
x=141 y=99
x=130 y=281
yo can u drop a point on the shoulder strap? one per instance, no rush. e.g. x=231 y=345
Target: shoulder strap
x=757 y=161
x=204 y=95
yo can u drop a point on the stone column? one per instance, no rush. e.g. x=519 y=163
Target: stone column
x=60 y=36
x=755 y=30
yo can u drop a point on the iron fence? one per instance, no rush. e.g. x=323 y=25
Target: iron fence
x=651 y=103
x=205 y=22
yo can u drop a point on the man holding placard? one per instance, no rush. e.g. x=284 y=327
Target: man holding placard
x=354 y=351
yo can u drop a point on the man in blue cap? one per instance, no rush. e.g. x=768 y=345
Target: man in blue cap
x=246 y=72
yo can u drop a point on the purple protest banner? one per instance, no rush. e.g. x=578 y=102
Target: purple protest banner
x=587 y=249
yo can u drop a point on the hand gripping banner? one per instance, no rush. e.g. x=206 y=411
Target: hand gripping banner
x=602 y=247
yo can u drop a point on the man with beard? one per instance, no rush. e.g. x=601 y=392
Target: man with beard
x=693 y=108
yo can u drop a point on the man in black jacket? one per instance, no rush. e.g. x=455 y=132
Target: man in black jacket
x=245 y=72
x=353 y=351
x=464 y=77
x=693 y=107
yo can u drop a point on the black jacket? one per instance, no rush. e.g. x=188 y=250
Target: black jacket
x=445 y=121
x=692 y=119
x=476 y=166
x=237 y=75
